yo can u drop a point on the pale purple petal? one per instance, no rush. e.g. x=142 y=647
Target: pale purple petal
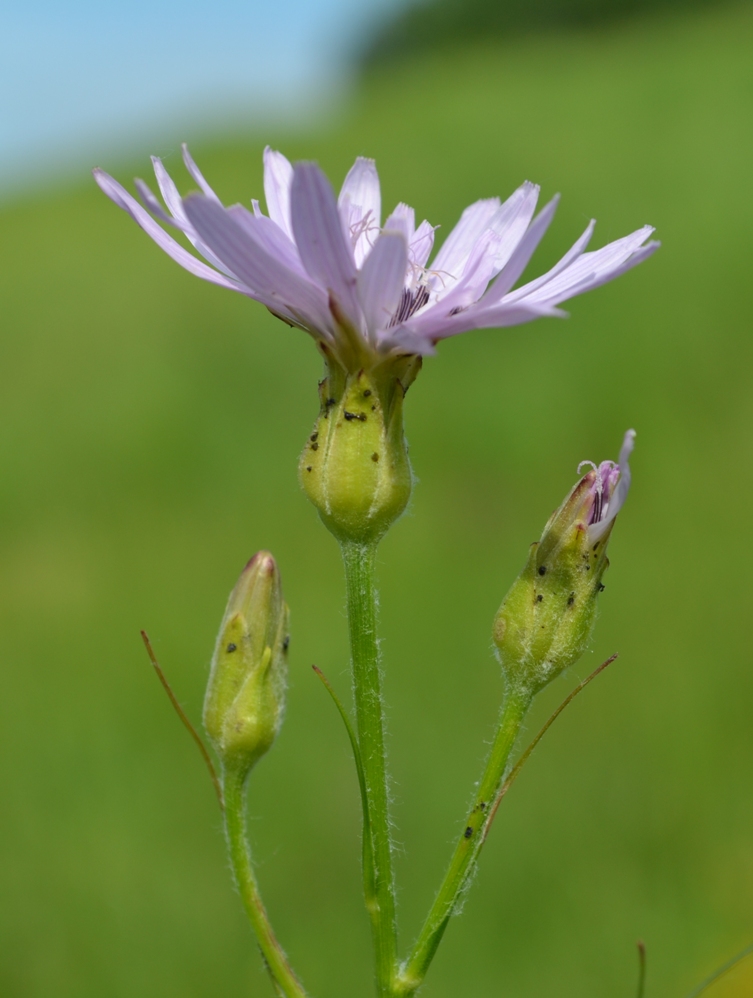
x=381 y=280
x=402 y=219
x=591 y=269
x=361 y=189
x=511 y=220
x=276 y=285
x=521 y=255
x=270 y=236
x=477 y=273
x=421 y=245
x=168 y=190
x=151 y=203
x=278 y=176
x=179 y=220
x=318 y=232
x=123 y=199
x=440 y=328
x=360 y=206
x=197 y=175
x=617 y=500
x=573 y=253
x=456 y=249
x=604 y=275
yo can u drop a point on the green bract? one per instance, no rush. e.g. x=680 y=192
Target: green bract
x=354 y=467
x=246 y=693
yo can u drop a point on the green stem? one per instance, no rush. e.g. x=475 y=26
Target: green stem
x=475 y=829
x=283 y=977
x=378 y=879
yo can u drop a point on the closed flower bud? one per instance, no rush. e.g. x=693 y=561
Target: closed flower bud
x=355 y=467
x=245 y=697
x=546 y=619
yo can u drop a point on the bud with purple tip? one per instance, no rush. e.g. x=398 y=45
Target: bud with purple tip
x=246 y=693
x=546 y=619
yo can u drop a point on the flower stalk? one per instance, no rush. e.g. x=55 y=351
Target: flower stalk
x=281 y=972
x=469 y=844
x=379 y=890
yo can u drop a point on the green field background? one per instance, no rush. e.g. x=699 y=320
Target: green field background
x=149 y=430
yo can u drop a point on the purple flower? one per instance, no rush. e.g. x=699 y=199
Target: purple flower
x=363 y=288
x=607 y=486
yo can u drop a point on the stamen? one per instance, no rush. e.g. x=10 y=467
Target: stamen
x=598 y=507
x=410 y=303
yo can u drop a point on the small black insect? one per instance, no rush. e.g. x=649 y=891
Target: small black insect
x=539 y=598
x=375 y=457
x=315 y=446
x=602 y=587
x=542 y=569
x=313 y=436
x=308 y=467
x=231 y=647
x=468 y=832
x=286 y=643
x=367 y=393
x=350 y=415
x=571 y=600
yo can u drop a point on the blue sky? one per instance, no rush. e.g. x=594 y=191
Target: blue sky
x=82 y=79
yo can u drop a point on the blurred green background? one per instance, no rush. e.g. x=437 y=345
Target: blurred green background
x=151 y=426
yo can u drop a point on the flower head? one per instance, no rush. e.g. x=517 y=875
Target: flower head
x=364 y=288
x=547 y=617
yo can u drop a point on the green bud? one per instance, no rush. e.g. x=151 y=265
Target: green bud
x=354 y=467
x=245 y=697
x=547 y=617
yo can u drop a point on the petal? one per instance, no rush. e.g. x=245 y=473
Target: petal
x=360 y=205
x=278 y=176
x=421 y=245
x=597 y=530
x=123 y=199
x=196 y=173
x=168 y=190
x=361 y=188
x=381 y=280
x=512 y=219
x=592 y=269
x=522 y=254
x=477 y=273
x=179 y=220
x=319 y=236
x=264 y=231
x=402 y=219
x=276 y=285
x=457 y=246
x=500 y=316
x=572 y=254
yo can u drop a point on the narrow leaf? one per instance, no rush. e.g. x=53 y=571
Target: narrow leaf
x=184 y=718
x=515 y=771
x=368 y=864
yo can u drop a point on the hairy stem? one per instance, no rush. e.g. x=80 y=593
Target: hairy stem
x=378 y=878
x=283 y=977
x=469 y=844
